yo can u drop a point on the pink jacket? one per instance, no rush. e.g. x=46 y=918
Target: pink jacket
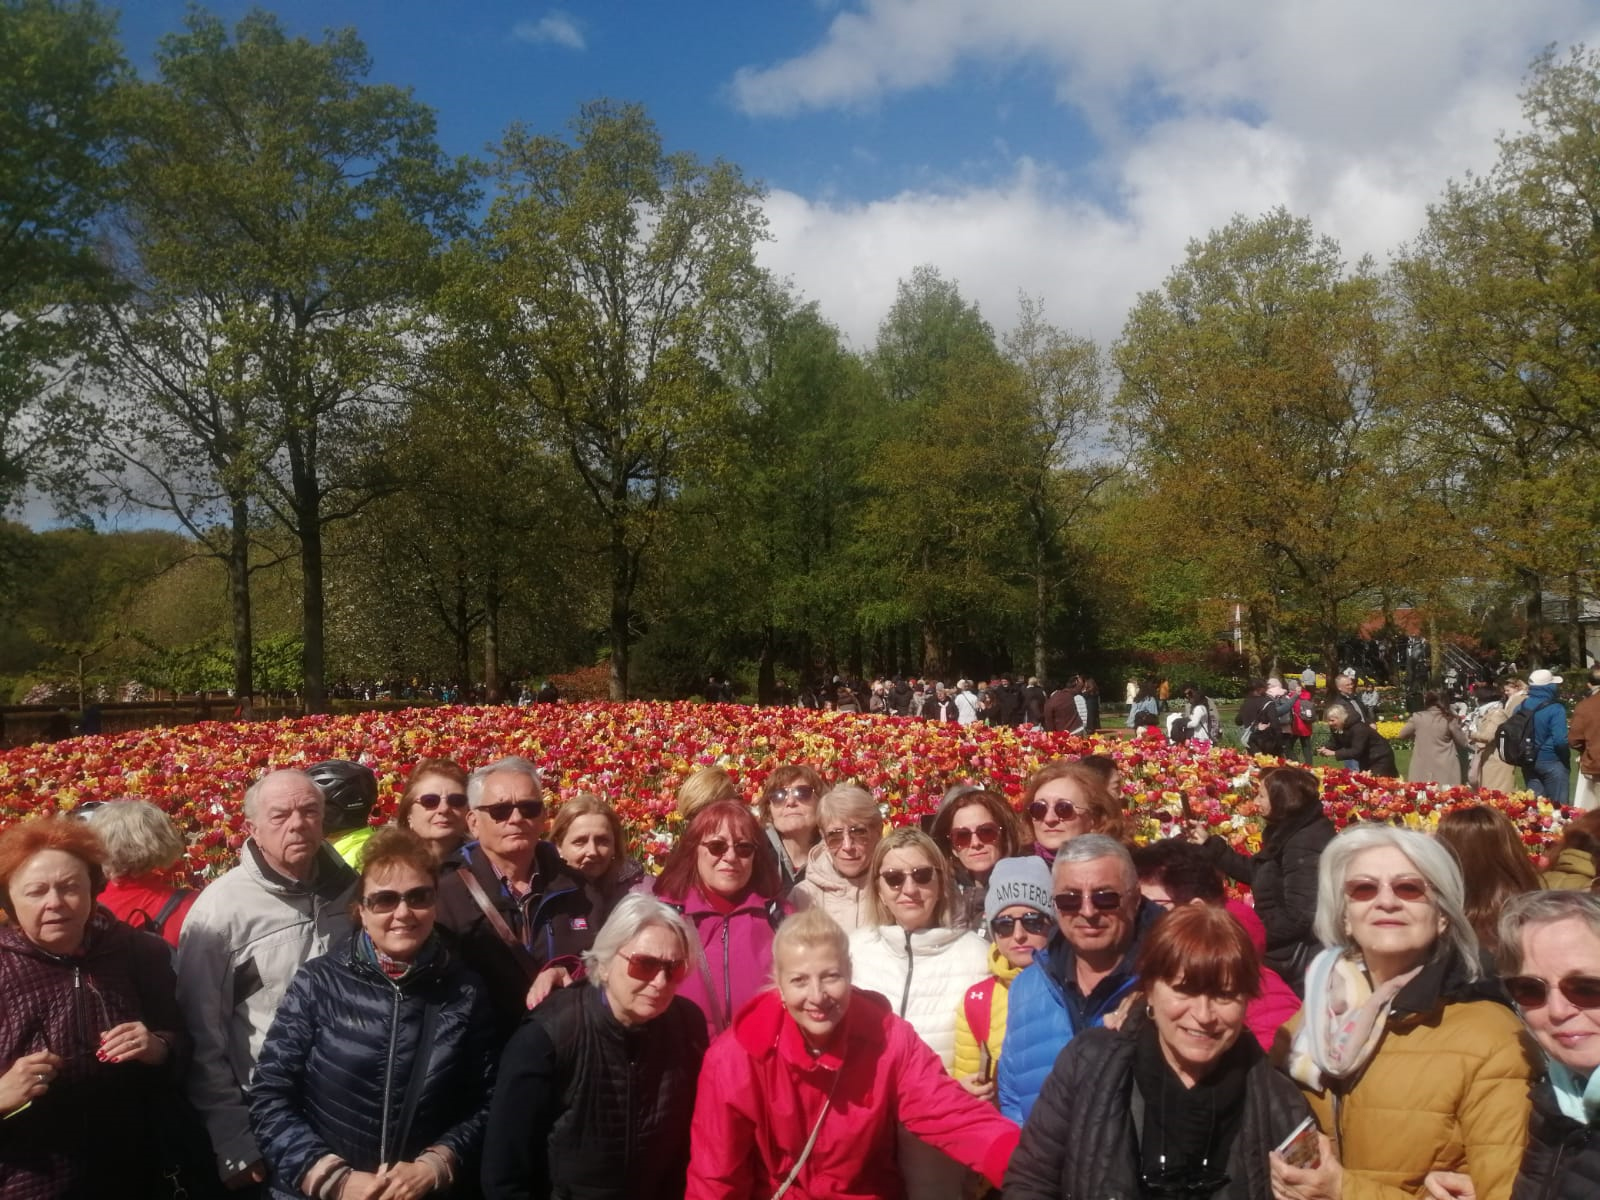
x=1277 y=1002
x=761 y=1093
x=738 y=949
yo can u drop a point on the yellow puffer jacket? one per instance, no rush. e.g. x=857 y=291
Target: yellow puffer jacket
x=969 y=1056
x=1447 y=1090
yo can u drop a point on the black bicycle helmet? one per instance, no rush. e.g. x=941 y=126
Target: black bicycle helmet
x=350 y=790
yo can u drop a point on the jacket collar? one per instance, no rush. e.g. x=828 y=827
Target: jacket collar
x=765 y=1029
x=1442 y=981
x=1000 y=966
x=102 y=932
x=330 y=878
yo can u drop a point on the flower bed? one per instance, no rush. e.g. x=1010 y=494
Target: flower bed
x=636 y=755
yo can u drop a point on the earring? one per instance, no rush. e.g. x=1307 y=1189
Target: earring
x=1150 y=1011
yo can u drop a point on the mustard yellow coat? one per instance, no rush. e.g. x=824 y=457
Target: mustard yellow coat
x=969 y=1057
x=1447 y=1090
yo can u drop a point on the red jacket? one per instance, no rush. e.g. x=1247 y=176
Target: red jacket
x=761 y=1093
x=138 y=902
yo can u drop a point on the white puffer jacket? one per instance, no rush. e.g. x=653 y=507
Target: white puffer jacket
x=847 y=901
x=939 y=965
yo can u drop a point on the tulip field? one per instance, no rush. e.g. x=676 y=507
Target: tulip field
x=635 y=755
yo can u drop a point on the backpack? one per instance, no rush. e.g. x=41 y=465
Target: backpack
x=1283 y=713
x=158 y=922
x=1306 y=709
x=1513 y=741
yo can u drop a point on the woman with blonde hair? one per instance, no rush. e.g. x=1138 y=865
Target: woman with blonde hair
x=839 y=868
x=588 y=835
x=708 y=785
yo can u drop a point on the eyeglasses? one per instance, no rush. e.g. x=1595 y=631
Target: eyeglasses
x=432 y=800
x=896 y=878
x=645 y=967
x=1411 y=891
x=1034 y=923
x=1529 y=991
x=835 y=838
x=1101 y=900
x=387 y=902
x=986 y=834
x=1065 y=810
x=528 y=810
x=717 y=847
x=800 y=793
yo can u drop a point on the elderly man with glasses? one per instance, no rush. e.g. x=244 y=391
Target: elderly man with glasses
x=521 y=916
x=1084 y=976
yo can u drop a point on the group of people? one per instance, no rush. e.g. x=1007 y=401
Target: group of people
x=487 y=999
x=1071 y=707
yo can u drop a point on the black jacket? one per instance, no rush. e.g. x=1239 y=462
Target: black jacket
x=1367 y=746
x=1081 y=1141
x=1283 y=882
x=558 y=920
x=346 y=1049
x=1562 y=1161
x=1033 y=701
x=589 y=1109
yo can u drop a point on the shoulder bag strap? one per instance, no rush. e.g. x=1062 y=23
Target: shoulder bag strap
x=167 y=909
x=794 y=1172
x=419 y=1072
x=498 y=923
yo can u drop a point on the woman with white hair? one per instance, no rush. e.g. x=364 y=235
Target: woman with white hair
x=1404 y=1050
x=838 y=874
x=597 y=1087
x=142 y=846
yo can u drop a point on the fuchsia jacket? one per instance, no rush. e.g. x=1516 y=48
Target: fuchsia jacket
x=1277 y=1004
x=737 y=940
x=761 y=1093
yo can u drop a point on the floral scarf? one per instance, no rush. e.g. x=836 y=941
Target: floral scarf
x=1343 y=1019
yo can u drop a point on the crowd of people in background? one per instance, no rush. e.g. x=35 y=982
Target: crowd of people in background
x=485 y=998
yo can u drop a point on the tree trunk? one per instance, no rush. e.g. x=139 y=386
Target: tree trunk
x=766 y=674
x=1535 y=647
x=312 y=620
x=1041 y=610
x=491 y=639
x=621 y=612
x=239 y=597
x=463 y=634
x=1435 y=652
x=1574 y=622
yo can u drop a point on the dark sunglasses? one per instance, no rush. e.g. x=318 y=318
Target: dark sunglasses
x=432 y=800
x=1034 y=923
x=835 y=838
x=1065 y=810
x=528 y=810
x=1412 y=891
x=1529 y=991
x=803 y=792
x=986 y=834
x=896 y=878
x=645 y=967
x=387 y=902
x=1101 y=900
x=717 y=847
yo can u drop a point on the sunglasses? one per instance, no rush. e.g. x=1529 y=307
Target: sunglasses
x=835 y=838
x=1065 y=810
x=645 y=967
x=986 y=835
x=528 y=810
x=896 y=878
x=1101 y=900
x=1034 y=923
x=387 y=902
x=1529 y=991
x=1411 y=891
x=717 y=847
x=802 y=793
x=432 y=800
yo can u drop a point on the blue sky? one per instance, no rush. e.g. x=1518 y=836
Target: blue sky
x=1065 y=148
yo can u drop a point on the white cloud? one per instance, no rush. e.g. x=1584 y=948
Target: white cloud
x=1354 y=114
x=555 y=28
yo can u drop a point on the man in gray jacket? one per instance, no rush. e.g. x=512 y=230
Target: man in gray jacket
x=242 y=943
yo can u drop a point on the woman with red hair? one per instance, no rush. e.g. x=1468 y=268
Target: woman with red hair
x=90 y=1033
x=727 y=887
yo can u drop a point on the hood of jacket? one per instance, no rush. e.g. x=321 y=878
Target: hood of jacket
x=1545 y=693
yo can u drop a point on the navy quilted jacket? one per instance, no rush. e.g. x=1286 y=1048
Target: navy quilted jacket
x=333 y=1073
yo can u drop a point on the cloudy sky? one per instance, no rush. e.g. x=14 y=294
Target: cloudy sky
x=1063 y=148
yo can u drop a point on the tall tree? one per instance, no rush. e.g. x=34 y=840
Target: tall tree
x=1257 y=384
x=60 y=65
x=281 y=219
x=616 y=271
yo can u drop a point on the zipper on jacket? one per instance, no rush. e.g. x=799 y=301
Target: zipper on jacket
x=911 y=964
x=388 y=1077
x=727 y=987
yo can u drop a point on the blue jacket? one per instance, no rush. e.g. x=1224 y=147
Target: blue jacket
x=1549 y=723
x=1040 y=1021
x=340 y=1057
